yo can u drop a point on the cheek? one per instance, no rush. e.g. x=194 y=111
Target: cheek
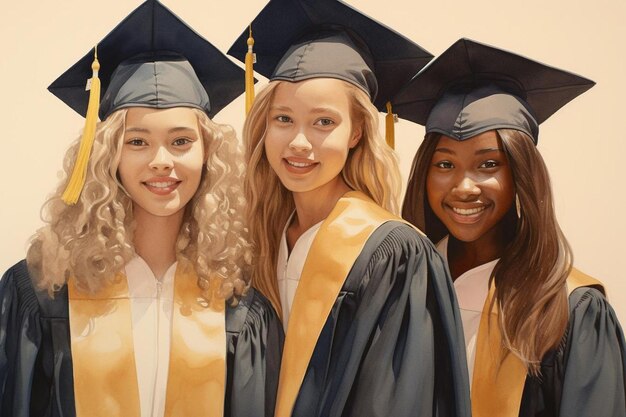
x=272 y=151
x=124 y=171
x=274 y=141
x=435 y=185
x=503 y=189
x=337 y=143
x=196 y=159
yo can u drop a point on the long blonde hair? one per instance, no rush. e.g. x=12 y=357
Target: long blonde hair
x=531 y=275
x=92 y=240
x=371 y=168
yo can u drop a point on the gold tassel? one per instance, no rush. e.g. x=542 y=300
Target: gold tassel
x=389 y=128
x=249 y=73
x=77 y=179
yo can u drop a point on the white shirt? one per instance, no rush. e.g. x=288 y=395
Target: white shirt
x=289 y=266
x=472 y=288
x=151 y=306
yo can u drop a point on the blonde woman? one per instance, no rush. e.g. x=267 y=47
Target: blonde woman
x=133 y=300
x=542 y=340
x=371 y=323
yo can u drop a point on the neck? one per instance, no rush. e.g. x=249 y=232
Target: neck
x=463 y=256
x=312 y=207
x=155 y=239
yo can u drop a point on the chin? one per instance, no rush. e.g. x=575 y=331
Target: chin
x=466 y=236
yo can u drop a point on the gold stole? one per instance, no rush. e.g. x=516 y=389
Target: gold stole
x=497 y=387
x=105 y=375
x=336 y=246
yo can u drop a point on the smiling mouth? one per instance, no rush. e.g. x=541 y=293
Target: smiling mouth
x=466 y=215
x=160 y=184
x=299 y=164
x=299 y=167
x=161 y=187
x=468 y=212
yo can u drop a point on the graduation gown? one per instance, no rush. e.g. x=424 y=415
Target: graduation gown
x=36 y=374
x=392 y=344
x=585 y=375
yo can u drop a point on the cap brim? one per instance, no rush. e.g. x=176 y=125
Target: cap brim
x=546 y=89
x=153 y=27
x=282 y=22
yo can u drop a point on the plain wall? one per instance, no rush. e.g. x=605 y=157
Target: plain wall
x=583 y=144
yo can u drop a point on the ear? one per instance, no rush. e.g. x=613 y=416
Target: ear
x=357 y=133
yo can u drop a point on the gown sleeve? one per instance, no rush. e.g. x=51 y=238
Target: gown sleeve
x=254 y=337
x=20 y=339
x=402 y=353
x=594 y=375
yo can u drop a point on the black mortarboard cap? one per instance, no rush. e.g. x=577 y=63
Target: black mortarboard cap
x=296 y=40
x=472 y=88
x=153 y=59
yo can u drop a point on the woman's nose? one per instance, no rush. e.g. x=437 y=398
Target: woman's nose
x=162 y=160
x=300 y=143
x=467 y=188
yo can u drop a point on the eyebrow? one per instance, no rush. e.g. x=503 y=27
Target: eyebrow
x=325 y=110
x=487 y=150
x=280 y=108
x=445 y=150
x=314 y=110
x=172 y=130
x=478 y=152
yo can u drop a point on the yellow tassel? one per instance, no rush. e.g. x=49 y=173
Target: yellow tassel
x=249 y=73
x=77 y=179
x=389 y=128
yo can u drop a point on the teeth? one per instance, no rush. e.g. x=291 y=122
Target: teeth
x=161 y=184
x=468 y=212
x=299 y=164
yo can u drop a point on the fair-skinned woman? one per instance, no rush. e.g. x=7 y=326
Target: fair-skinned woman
x=364 y=298
x=541 y=339
x=133 y=297
x=309 y=135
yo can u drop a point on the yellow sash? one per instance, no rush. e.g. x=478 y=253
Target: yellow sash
x=105 y=376
x=497 y=387
x=337 y=245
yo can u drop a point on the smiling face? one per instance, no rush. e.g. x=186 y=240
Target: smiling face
x=470 y=187
x=309 y=134
x=162 y=159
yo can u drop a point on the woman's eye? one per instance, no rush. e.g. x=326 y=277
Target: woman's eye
x=181 y=141
x=444 y=165
x=489 y=164
x=283 y=119
x=136 y=142
x=324 y=122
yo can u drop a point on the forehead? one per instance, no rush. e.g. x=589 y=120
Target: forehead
x=486 y=140
x=149 y=118
x=312 y=93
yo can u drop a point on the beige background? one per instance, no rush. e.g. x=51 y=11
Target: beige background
x=583 y=144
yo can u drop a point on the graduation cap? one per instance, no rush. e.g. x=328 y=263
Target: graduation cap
x=473 y=88
x=151 y=59
x=296 y=40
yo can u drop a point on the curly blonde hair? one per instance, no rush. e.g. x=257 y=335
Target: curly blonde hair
x=93 y=239
x=371 y=167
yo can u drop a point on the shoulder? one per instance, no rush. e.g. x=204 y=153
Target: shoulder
x=253 y=310
x=592 y=319
x=586 y=293
x=588 y=300
x=397 y=253
x=395 y=238
x=398 y=240
x=17 y=287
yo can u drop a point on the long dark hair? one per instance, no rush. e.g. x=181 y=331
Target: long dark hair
x=530 y=276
